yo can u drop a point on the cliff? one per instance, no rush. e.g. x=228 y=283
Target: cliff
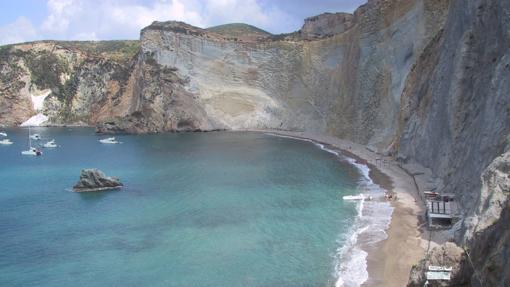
x=340 y=74
x=455 y=120
x=85 y=80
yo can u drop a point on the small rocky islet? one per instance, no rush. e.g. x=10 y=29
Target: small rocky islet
x=93 y=179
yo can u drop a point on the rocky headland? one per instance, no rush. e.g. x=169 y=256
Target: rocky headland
x=422 y=82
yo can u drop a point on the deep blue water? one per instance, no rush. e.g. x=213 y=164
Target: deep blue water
x=198 y=209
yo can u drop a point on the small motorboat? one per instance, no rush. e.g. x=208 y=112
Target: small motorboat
x=5 y=142
x=111 y=140
x=36 y=137
x=32 y=151
x=357 y=197
x=50 y=144
x=3 y=134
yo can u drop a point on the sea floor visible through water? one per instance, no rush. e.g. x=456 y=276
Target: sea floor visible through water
x=197 y=209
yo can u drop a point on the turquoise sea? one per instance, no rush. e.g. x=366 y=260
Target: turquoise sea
x=198 y=209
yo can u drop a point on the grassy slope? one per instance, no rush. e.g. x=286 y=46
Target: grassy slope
x=238 y=30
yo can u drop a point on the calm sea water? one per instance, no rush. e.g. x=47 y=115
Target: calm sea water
x=198 y=209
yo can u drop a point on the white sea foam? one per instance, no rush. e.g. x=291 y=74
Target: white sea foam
x=372 y=221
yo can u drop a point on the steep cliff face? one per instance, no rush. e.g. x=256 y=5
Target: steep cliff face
x=157 y=102
x=341 y=74
x=455 y=120
x=455 y=115
x=488 y=234
x=346 y=82
x=85 y=80
x=327 y=24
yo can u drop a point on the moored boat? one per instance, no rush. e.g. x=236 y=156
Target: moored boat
x=111 y=140
x=36 y=137
x=6 y=142
x=50 y=144
x=31 y=150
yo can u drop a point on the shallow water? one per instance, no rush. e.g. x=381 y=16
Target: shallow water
x=198 y=209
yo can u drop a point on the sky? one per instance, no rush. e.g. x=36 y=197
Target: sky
x=29 y=20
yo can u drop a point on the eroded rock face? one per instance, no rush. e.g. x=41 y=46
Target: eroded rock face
x=325 y=25
x=487 y=230
x=347 y=81
x=455 y=109
x=86 y=80
x=455 y=120
x=446 y=255
x=158 y=102
x=341 y=74
x=95 y=180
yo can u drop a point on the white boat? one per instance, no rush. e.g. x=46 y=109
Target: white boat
x=3 y=134
x=111 y=140
x=357 y=197
x=5 y=142
x=35 y=137
x=31 y=150
x=50 y=144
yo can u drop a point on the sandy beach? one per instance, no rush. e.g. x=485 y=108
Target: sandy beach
x=389 y=261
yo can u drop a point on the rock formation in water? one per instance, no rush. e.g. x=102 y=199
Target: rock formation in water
x=425 y=81
x=95 y=180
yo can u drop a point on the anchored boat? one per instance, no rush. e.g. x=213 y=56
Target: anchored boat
x=31 y=150
x=50 y=144
x=111 y=140
x=357 y=197
x=36 y=137
x=6 y=142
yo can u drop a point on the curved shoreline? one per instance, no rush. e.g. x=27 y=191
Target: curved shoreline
x=389 y=261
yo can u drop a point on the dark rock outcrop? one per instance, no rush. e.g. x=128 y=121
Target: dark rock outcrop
x=446 y=255
x=487 y=231
x=95 y=180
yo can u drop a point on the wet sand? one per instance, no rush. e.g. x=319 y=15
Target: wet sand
x=389 y=261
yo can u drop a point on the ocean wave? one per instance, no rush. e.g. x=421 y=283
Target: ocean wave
x=372 y=220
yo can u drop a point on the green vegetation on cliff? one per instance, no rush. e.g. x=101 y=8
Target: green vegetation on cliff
x=46 y=70
x=118 y=50
x=238 y=30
